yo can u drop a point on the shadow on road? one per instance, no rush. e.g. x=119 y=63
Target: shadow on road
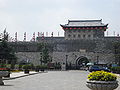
x=6 y=85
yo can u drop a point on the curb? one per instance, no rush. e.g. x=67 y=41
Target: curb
x=20 y=76
x=118 y=75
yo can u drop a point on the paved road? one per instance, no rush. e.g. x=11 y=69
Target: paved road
x=53 y=80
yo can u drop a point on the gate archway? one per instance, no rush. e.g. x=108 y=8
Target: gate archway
x=81 y=61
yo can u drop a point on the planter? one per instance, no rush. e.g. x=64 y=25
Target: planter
x=102 y=85
x=8 y=75
x=2 y=74
x=37 y=70
x=26 y=71
x=42 y=70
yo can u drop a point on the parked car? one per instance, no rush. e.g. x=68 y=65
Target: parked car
x=98 y=68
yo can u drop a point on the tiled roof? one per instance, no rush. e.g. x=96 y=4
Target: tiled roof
x=84 y=23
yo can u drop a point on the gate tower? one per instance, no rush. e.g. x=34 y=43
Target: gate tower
x=84 y=29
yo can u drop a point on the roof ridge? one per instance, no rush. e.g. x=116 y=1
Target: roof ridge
x=85 y=20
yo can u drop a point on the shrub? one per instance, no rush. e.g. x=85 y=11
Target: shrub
x=15 y=70
x=57 y=67
x=115 y=69
x=42 y=67
x=3 y=69
x=102 y=76
x=2 y=65
x=26 y=67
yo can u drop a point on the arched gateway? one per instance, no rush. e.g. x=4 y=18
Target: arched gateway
x=81 y=61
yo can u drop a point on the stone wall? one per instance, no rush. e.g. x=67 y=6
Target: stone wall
x=59 y=48
x=34 y=57
x=31 y=57
x=92 y=57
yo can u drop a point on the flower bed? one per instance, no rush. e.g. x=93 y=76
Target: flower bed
x=101 y=80
x=102 y=76
x=3 y=69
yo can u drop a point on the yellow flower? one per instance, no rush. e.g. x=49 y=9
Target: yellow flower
x=102 y=76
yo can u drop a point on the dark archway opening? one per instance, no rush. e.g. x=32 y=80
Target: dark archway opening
x=81 y=62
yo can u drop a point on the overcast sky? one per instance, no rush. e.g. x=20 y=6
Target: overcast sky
x=46 y=15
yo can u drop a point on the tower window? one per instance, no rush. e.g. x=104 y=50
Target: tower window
x=74 y=36
x=78 y=35
x=89 y=36
x=83 y=36
x=69 y=35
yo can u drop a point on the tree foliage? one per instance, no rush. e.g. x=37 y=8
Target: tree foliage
x=116 y=46
x=44 y=52
x=7 y=54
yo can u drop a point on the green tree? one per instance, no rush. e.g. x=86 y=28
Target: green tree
x=7 y=54
x=116 y=46
x=44 y=52
x=40 y=47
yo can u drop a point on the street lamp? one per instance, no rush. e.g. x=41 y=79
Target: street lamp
x=66 y=61
x=76 y=61
x=97 y=59
x=41 y=58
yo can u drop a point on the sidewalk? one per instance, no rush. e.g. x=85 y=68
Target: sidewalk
x=15 y=75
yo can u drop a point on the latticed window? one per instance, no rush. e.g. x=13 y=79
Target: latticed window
x=79 y=35
x=83 y=36
x=74 y=36
x=69 y=35
x=89 y=36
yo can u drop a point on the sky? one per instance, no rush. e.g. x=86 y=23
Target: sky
x=46 y=15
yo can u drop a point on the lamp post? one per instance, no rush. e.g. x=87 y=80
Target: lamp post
x=66 y=61
x=96 y=56
x=97 y=59
x=76 y=62
x=41 y=58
